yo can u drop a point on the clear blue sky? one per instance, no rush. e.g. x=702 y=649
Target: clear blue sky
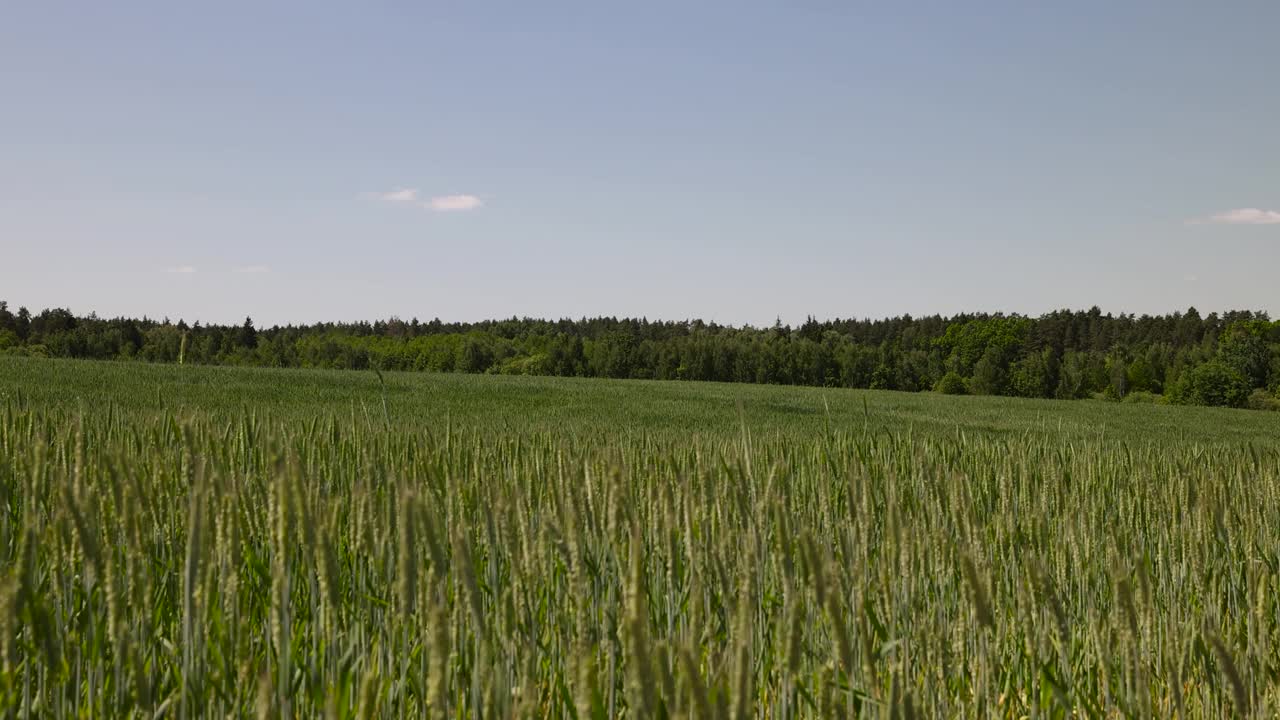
x=732 y=161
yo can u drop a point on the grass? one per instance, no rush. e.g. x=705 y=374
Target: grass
x=211 y=542
x=588 y=407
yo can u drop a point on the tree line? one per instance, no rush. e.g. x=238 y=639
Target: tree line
x=1230 y=359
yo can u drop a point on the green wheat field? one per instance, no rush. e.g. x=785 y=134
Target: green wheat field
x=214 y=542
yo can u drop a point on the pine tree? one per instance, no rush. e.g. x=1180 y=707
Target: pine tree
x=247 y=337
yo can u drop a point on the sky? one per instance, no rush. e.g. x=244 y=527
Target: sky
x=731 y=161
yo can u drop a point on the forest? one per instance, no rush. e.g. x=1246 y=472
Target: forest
x=1227 y=359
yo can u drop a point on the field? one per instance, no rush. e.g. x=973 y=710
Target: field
x=213 y=542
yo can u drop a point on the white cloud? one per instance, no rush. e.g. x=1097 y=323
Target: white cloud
x=253 y=269
x=454 y=202
x=180 y=269
x=399 y=195
x=440 y=203
x=1244 y=216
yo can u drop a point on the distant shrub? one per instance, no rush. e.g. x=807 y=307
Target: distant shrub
x=1212 y=383
x=1262 y=400
x=35 y=351
x=951 y=384
x=531 y=365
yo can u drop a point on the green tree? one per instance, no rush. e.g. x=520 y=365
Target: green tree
x=161 y=344
x=1245 y=352
x=1211 y=383
x=1141 y=376
x=989 y=374
x=473 y=356
x=22 y=324
x=1071 y=377
x=952 y=384
x=1031 y=376
x=247 y=337
x=966 y=343
x=7 y=320
x=1118 y=370
x=884 y=378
